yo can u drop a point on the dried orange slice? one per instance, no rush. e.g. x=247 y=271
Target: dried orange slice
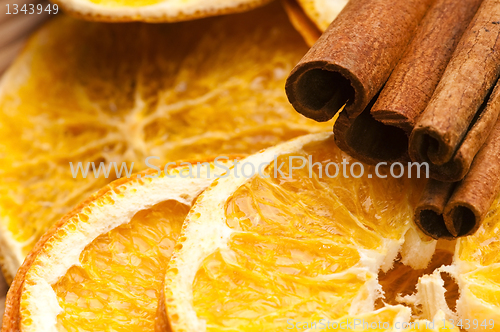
x=312 y=17
x=94 y=92
x=298 y=244
x=101 y=267
x=154 y=10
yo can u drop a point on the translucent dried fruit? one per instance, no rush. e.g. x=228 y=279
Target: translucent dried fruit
x=104 y=272
x=93 y=92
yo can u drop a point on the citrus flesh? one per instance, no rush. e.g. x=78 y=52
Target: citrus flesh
x=312 y=17
x=322 y=12
x=477 y=270
x=102 y=267
x=92 y=92
x=116 y=286
x=279 y=250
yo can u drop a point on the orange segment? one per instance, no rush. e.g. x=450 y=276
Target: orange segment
x=477 y=269
x=116 y=286
x=346 y=209
x=485 y=285
x=481 y=249
x=247 y=297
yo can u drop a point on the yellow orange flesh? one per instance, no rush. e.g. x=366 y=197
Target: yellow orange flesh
x=485 y=285
x=118 y=283
x=294 y=253
x=481 y=249
x=479 y=273
x=93 y=92
x=322 y=12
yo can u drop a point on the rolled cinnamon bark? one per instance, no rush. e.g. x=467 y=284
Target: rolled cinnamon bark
x=448 y=210
x=368 y=140
x=472 y=199
x=466 y=83
x=481 y=126
x=430 y=209
x=354 y=57
x=413 y=81
x=410 y=87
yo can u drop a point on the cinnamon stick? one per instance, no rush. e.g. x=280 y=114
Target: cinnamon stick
x=409 y=88
x=429 y=211
x=411 y=85
x=448 y=210
x=354 y=57
x=472 y=199
x=353 y=137
x=459 y=165
x=455 y=107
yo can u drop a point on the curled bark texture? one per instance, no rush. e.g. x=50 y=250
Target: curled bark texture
x=457 y=168
x=352 y=60
x=472 y=199
x=458 y=209
x=379 y=142
x=430 y=209
x=455 y=108
x=413 y=81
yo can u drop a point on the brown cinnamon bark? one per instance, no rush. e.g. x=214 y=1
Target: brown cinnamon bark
x=472 y=199
x=354 y=57
x=466 y=83
x=380 y=142
x=410 y=87
x=459 y=165
x=457 y=209
x=430 y=209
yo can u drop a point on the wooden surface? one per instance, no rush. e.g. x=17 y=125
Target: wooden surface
x=14 y=29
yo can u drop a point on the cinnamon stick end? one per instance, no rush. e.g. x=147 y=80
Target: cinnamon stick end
x=432 y=223
x=318 y=93
x=427 y=146
x=462 y=220
x=429 y=211
x=369 y=140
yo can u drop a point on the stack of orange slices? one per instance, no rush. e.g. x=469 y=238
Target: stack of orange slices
x=282 y=239
x=286 y=247
x=111 y=252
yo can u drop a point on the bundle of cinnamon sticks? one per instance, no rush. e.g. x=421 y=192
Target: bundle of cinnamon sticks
x=415 y=80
